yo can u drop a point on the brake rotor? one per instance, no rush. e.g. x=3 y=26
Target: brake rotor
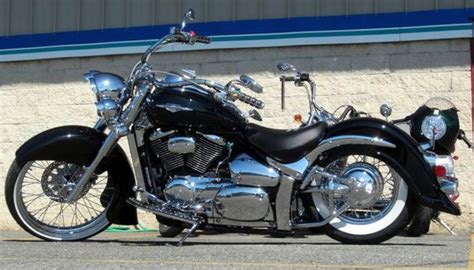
x=59 y=179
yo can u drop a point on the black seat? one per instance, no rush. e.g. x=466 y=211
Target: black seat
x=286 y=146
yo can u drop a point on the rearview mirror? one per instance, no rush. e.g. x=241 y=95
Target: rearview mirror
x=286 y=67
x=251 y=84
x=188 y=16
x=385 y=110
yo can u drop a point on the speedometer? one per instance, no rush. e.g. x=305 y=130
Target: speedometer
x=434 y=127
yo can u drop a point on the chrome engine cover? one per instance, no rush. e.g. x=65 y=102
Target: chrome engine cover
x=197 y=193
x=182 y=145
x=242 y=203
x=218 y=199
x=245 y=170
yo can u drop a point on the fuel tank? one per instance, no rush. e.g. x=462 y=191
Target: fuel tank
x=192 y=107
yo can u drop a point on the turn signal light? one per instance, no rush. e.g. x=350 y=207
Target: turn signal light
x=440 y=171
x=298 y=118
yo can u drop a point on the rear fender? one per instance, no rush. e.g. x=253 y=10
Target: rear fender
x=406 y=154
x=80 y=145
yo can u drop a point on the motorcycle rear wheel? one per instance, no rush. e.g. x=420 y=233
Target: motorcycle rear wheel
x=373 y=223
x=35 y=196
x=421 y=221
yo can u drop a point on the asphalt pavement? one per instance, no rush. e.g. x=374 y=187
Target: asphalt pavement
x=145 y=250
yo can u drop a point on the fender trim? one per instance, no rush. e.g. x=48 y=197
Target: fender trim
x=297 y=169
x=336 y=141
x=80 y=144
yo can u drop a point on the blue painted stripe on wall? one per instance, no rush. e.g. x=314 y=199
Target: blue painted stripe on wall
x=327 y=23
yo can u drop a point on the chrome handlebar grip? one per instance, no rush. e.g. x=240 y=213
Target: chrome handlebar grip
x=248 y=100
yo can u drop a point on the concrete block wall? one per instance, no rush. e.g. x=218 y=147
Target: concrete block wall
x=38 y=95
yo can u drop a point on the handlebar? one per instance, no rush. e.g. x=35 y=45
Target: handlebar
x=202 y=39
x=177 y=35
x=284 y=78
x=191 y=38
x=300 y=77
x=234 y=93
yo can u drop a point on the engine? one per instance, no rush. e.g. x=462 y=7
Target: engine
x=188 y=159
x=218 y=198
x=241 y=197
x=187 y=154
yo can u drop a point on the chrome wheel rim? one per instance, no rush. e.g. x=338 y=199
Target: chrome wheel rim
x=39 y=197
x=387 y=196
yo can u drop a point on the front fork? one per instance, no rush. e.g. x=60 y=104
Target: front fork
x=100 y=125
x=119 y=129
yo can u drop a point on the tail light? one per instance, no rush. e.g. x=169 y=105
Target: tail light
x=443 y=168
x=440 y=171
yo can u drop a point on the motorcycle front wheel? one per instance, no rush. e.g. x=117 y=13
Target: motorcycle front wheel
x=35 y=193
x=380 y=209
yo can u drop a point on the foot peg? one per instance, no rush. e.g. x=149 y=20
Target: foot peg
x=159 y=207
x=146 y=195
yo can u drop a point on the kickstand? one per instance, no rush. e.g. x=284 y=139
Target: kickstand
x=188 y=233
x=446 y=226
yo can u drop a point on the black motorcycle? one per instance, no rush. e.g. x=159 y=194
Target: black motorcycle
x=198 y=163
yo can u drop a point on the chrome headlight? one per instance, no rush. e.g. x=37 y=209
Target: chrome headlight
x=105 y=85
x=434 y=126
x=107 y=108
x=107 y=88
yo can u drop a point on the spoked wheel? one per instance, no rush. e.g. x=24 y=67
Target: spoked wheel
x=36 y=197
x=380 y=206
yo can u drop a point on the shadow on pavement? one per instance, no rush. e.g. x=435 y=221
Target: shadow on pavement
x=190 y=242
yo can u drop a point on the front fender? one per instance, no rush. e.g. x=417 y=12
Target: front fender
x=80 y=145
x=414 y=169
